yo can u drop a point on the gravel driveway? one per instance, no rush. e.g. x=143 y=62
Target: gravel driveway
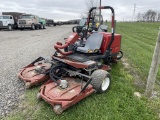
x=17 y=49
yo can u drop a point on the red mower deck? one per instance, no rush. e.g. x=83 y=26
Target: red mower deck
x=31 y=77
x=64 y=98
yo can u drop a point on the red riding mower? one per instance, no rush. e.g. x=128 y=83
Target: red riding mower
x=76 y=69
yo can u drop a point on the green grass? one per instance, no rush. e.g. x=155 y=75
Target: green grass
x=119 y=102
x=138 y=43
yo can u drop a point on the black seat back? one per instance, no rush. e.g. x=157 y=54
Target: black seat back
x=93 y=43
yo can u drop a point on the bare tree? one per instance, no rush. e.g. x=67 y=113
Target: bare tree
x=89 y=4
x=149 y=16
x=153 y=16
x=158 y=17
x=139 y=17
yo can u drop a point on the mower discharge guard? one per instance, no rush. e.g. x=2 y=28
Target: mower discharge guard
x=32 y=73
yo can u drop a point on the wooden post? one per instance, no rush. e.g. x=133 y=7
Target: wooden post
x=153 y=69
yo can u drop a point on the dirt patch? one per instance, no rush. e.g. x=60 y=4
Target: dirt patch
x=138 y=82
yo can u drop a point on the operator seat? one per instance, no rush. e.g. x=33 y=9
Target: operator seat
x=93 y=44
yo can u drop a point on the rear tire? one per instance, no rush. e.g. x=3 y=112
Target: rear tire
x=120 y=55
x=40 y=26
x=21 y=29
x=100 y=80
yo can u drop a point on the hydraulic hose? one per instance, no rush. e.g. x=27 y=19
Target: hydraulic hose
x=52 y=75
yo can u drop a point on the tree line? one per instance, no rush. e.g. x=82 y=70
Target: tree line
x=149 y=16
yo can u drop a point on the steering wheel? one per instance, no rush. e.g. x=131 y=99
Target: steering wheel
x=77 y=29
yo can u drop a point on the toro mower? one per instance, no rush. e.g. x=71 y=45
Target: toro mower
x=78 y=68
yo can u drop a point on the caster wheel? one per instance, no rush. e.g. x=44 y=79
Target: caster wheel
x=39 y=96
x=27 y=85
x=58 y=109
x=19 y=78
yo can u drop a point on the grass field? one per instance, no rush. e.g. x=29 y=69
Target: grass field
x=119 y=102
x=138 y=43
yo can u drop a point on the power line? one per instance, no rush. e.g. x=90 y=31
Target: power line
x=134 y=12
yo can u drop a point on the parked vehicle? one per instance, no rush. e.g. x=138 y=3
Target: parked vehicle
x=59 y=23
x=8 y=20
x=29 y=21
x=42 y=21
x=50 y=22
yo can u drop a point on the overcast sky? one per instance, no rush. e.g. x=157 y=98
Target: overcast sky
x=72 y=9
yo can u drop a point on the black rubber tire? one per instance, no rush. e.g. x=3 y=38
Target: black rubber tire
x=44 y=27
x=21 y=29
x=40 y=26
x=97 y=79
x=33 y=27
x=9 y=28
x=121 y=55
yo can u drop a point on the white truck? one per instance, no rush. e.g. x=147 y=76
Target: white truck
x=8 y=20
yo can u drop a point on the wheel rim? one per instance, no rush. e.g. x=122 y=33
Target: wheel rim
x=10 y=28
x=105 y=83
x=33 y=27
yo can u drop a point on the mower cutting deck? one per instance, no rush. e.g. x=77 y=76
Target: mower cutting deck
x=34 y=73
x=60 y=98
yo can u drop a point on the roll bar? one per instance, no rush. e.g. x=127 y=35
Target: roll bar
x=112 y=22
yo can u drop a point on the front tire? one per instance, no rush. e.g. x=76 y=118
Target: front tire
x=44 y=27
x=32 y=27
x=9 y=28
x=101 y=80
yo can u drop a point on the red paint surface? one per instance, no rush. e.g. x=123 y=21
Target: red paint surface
x=52 y=94
x=116 y=46
x=28 y=74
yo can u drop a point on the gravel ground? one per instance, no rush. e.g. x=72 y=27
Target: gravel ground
x=17 y=49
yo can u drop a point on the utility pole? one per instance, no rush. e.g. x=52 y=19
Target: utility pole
x=134 y=12
x=153 y=69
x=99 y=10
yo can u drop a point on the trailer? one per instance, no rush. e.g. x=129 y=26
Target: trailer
x=50 y=22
